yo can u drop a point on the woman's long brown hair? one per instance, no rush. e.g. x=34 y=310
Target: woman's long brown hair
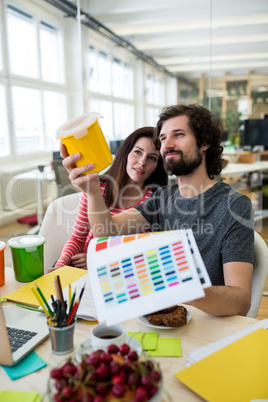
x=116 y=177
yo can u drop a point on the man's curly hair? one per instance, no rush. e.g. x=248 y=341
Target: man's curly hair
x=207 y=129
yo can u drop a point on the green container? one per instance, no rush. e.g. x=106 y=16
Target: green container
x=28 y=257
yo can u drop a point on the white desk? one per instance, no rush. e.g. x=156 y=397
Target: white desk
x=201 y=330
x=244 y=168
x=249 y=169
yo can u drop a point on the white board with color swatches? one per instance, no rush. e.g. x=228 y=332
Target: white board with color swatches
x=138 y=274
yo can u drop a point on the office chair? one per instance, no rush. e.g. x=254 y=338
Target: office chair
x=64 y=186
x=57 y=226
x=259 y=274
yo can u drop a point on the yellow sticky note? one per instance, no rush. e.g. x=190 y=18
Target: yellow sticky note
x=15 y=396
x=148 y=340
x=167 y=347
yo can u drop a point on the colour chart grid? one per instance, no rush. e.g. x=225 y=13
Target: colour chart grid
x=144 y=273
x=198 y=269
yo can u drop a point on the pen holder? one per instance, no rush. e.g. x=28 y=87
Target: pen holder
x=62 y=339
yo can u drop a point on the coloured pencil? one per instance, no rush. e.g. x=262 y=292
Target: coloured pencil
x=58 y=290
x=40 y=301
x=72 y=314
x=60 y=295
x=44 y=300
x=72 y=302
x=82 y=291
x=70 y=294
x=28 y=307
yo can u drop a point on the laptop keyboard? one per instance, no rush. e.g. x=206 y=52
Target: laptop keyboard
x=18 y=337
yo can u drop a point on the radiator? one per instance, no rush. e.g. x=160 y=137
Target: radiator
x=18 y=189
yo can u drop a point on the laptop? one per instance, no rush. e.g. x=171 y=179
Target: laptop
x=20 y=332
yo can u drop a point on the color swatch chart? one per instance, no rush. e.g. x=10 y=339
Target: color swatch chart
x=202 y=274
x=142 y=273
x=106 y=242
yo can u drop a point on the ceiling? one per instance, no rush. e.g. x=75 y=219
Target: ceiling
x=193 y=37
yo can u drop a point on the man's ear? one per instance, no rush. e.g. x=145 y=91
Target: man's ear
x=205 y=147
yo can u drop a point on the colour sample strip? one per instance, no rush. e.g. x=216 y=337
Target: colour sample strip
x=115 y=241
x=198 y=269
x=101 y=246
x=143 y=273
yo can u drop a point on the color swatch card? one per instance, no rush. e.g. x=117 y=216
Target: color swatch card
x=138 y=274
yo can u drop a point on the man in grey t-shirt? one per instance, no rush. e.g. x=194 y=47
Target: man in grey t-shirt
x=221 y=218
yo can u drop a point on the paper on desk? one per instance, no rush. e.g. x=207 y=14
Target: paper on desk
x=86 y=309
x=207 y=350
x=137 y=274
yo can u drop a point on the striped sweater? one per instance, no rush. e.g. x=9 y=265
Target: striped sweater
x=82 y=234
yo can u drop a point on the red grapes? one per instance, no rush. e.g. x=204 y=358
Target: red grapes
x=106 y=375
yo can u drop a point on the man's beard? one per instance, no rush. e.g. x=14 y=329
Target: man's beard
x=183 y=167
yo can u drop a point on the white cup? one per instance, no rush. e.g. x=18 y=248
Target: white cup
x=102 y=336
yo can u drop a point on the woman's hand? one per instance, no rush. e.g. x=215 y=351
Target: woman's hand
x=88 y=183
x=48 y=270
x=79 y=261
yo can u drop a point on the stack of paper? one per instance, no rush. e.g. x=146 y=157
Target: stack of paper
x=138 y=274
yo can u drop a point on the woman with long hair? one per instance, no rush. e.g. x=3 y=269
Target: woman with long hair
x=135 y=173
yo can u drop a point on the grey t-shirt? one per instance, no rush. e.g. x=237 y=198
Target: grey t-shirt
x=221 y=220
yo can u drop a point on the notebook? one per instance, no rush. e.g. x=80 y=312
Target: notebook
x=20 y=332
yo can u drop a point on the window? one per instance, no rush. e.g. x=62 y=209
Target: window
x=33 y=82
x=122 y=79
x=104 y=108
x=1 y=48
x=155 y=98
x=152 y=114
x=54 y=116
x=110 y=83
x=27 y=118
x=51 y=55
x=155 y=90
x=4 y=141
x=123 y=119
x=22 y=44
x=99 y=71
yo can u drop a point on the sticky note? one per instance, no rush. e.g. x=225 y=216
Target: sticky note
x=15 y=396
x=148 y=340
x=31 y=363
x=167 y=347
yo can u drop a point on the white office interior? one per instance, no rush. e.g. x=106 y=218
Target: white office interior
x=124 y=60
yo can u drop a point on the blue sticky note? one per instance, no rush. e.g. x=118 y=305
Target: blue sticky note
x=31 y=363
